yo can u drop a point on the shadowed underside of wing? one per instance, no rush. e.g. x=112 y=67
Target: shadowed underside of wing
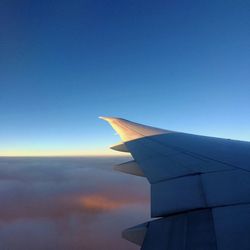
x=200 y=187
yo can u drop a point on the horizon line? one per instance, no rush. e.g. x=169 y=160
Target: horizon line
x=61 y=156
x=60 y=153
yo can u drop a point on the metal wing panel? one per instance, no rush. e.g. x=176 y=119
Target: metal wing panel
x=177 y=195
x=232 y=227
x=200 y=191
x=159 y=161
x=231 y=152
x=187 y=231
x=226 y=188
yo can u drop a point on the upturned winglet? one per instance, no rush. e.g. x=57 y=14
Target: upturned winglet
x=130 y=130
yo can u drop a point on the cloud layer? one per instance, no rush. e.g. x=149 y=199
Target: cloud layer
x=68 y=203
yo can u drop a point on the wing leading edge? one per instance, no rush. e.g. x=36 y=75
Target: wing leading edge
x=200 y=187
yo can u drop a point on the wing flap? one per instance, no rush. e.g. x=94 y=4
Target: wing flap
x=130 y=167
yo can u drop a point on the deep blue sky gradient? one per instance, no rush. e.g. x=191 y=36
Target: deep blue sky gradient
x=182 y=65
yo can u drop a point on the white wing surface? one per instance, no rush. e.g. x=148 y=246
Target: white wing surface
x=200 y=188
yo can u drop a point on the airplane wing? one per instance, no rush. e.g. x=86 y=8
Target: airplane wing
x=200 y=188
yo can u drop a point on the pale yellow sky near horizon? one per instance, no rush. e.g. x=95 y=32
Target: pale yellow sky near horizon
x=27 y=153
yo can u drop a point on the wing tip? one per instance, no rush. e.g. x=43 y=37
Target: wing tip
x=129 y=130
x=108 y=118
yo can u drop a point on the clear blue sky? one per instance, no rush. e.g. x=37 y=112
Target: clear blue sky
x=182 y=65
